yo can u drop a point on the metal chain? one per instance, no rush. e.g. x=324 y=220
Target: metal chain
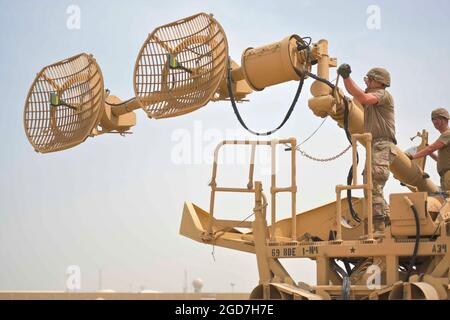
x=303 y=153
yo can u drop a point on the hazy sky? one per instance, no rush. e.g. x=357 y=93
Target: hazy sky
x=114 y=203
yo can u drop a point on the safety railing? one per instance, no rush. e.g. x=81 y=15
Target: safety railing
x=366 y=140
x=250 y=185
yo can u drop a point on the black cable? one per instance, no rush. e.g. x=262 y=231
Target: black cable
x=312 y=75
x=346 y=114
x=119 y=104
x=309 y=42
x=354 y=214
x=302 y=75
x=348 y=135
x=416 y=244
x=241 y=121
x=346 y=283
x=348 y=268
x=288 y=114
x=350 y=172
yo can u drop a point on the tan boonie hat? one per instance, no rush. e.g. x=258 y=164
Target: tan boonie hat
x=380 y=75
x=440 y=112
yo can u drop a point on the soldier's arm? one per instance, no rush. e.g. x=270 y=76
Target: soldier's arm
x=429 y=150
x=433 y=156
x=359 y=94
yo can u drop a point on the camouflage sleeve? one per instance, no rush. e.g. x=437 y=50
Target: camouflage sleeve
x=445 y=138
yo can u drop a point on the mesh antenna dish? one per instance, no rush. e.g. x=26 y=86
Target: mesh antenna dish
x=63 y=104
x=180 y=66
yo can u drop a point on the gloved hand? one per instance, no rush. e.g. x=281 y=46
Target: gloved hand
x=344 y=70
x=409 y=155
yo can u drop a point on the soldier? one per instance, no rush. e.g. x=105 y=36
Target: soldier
x=440 y=118
x=379 y=120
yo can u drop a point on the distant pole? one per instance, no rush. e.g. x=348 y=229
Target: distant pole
x=185 y=286
x=232 y=287
x=100 y=285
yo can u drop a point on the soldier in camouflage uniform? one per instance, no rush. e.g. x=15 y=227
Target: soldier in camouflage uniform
x=440 y=118
x=379 y=120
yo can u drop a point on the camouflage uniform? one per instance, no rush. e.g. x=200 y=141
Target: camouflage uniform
x=379 y=120
x=443 y=160
x=382 y=157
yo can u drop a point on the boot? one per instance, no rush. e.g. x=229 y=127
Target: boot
x=387 y=221
x=378 y=227
x=387 y=215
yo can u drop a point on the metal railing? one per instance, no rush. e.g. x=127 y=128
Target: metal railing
x=250 y=185
x=366 y=140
